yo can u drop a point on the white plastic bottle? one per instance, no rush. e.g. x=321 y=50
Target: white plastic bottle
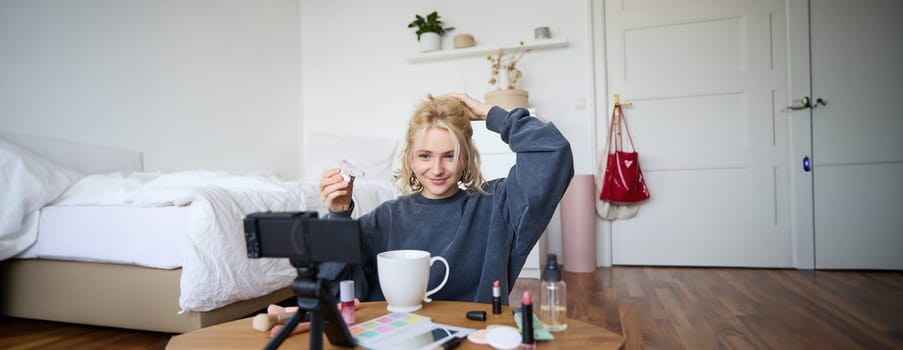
x=553 y=303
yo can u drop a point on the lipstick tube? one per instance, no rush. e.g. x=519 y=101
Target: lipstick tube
x=527 y=320
x=496 y=298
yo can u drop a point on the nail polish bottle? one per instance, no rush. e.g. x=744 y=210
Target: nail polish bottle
x=553 y=305
x=346 y=297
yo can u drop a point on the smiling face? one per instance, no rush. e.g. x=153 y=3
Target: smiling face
x=434 y=163
x=438 y=130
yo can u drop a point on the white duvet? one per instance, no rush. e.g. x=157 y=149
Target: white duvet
x=216 y=270
x=27 y=183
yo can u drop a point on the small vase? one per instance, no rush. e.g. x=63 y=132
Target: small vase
x=508 y=98
x=429 y=41
x=503 y=79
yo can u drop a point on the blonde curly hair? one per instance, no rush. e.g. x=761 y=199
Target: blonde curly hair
x=446 y=112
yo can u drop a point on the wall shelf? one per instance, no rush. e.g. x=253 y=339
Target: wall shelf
x=485 y=50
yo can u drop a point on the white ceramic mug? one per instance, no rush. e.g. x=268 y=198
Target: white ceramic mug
x=403 y=277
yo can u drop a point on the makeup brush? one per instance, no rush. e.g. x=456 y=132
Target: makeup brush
x=275 y=309
x=263 y=322
x=302 y=327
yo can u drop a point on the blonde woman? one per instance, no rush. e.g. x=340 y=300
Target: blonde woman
x=485 y=229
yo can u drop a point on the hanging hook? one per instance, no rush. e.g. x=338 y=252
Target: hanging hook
x=618 y=103
x=617 y=99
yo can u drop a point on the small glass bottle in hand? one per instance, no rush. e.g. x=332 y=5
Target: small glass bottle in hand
x=349 y=171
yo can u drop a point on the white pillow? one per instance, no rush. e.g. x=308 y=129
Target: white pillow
x=27 y=183
x=375 y=156
x=102 y=189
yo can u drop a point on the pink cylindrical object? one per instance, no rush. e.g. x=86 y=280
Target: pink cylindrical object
x=578 y=225
x=346 y=296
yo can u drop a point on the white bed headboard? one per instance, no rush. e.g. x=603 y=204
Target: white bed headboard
x=89 y=159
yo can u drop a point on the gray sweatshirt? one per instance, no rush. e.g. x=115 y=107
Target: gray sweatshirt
x=484 y=237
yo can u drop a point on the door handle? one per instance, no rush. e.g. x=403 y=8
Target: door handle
x=819 y=101
x=805 y=104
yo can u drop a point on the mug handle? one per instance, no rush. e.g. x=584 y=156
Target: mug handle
x=426 y=297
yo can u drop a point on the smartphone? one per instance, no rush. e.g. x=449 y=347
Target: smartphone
x=428 y=339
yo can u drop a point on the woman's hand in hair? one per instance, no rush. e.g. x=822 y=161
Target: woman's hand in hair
x=477 y=110
x=335 y=192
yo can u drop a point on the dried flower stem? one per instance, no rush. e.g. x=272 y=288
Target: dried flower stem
x=502 y=64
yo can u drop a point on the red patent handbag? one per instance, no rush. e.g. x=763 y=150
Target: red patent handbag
x=623 y=181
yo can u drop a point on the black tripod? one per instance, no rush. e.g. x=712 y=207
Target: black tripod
x=314 y=297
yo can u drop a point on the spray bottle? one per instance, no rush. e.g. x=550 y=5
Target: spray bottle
x=553 y=304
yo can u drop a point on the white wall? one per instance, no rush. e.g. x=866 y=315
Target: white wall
x=201 y=84
x=227 y=85
x=357 y=80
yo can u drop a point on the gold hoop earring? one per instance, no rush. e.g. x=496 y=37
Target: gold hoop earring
x=416 y=186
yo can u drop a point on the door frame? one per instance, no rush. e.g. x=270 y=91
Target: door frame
x=802 y=209
x=599 y=105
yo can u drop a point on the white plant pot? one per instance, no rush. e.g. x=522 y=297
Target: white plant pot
x=429 y=42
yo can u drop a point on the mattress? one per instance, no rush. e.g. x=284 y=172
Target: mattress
x=151 y=237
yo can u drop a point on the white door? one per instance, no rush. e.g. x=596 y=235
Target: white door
x=857 y=138
x=707 y=80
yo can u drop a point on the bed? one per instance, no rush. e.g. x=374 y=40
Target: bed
x=89 y=261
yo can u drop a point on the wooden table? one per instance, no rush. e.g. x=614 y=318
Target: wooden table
x=238 y=334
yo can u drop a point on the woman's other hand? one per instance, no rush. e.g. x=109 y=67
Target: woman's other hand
x=477 y=110
x=334 y=191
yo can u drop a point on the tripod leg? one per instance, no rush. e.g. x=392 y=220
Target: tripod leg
x=315 y=297
x=285 y=331
x=316 y=329
x=336 y=329
x=315 y=307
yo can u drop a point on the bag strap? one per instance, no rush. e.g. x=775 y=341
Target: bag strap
x=623 y=120
x=611 y=132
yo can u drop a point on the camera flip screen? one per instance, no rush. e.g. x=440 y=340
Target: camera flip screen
x=302 y=236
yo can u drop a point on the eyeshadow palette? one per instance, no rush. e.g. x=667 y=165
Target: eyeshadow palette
x=392 y=326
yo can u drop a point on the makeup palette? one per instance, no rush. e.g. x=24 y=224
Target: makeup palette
x=402 y=330
x=379 y=329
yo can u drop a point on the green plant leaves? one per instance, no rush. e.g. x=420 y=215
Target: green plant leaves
x=430 y=24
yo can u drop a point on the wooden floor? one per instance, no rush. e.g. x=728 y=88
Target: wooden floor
x=655 y=308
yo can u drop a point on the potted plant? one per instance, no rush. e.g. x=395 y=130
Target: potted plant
x=429 y=30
